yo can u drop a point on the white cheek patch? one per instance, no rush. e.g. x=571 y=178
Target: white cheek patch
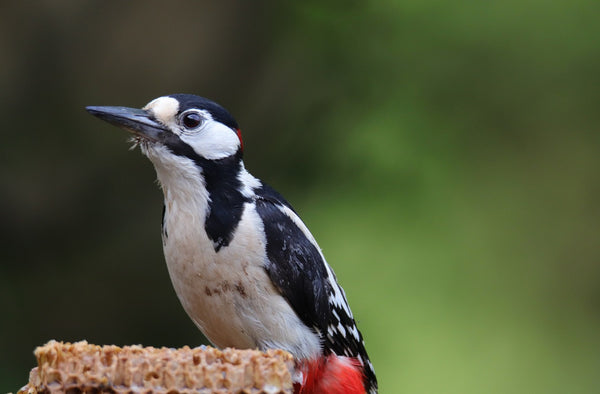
x=213 y=141
x=164 y=109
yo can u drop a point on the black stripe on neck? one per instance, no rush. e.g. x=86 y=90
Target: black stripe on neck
x=226 y=201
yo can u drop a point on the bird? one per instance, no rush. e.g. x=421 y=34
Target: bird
x=245 y=267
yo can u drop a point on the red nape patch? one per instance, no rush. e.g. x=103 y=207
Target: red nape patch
x=239 y=134
x=331 y=375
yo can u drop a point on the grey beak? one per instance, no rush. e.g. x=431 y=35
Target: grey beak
x=134 y=120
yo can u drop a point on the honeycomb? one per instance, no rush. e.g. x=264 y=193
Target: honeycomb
x=85 y=368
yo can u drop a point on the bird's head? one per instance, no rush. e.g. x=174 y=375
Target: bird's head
x=174 y=130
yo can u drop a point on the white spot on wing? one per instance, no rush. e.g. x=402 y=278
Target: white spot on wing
x=359 y=356
x=334 y=313
x=354 y=332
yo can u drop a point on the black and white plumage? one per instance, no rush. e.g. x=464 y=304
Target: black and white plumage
x=245 y=267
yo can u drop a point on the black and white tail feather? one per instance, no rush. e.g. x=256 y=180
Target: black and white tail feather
x=232 y=244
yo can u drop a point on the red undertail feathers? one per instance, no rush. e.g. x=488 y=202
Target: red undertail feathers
x=332 y=375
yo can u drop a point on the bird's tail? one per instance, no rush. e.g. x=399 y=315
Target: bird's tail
x=331 y=375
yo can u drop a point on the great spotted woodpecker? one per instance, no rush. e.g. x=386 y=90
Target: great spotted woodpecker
x=245 y=267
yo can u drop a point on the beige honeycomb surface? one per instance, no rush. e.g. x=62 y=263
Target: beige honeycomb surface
x=85 y=368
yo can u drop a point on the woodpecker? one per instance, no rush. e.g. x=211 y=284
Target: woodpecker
x=245 y=268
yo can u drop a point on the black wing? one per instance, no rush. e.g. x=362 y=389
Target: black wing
x=297 y=268
x=295 y=265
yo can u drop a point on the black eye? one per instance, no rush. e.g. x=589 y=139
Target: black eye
x=191 y=120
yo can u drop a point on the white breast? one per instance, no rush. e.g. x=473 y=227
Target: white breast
x=228 y=294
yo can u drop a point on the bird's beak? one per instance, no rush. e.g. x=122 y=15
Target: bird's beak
x=134 y=120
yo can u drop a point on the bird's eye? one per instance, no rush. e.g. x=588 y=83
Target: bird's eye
x=191 y=120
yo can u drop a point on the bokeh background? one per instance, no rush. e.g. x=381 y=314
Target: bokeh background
x=446 y=155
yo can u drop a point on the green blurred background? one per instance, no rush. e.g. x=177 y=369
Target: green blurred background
x=445 y=155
